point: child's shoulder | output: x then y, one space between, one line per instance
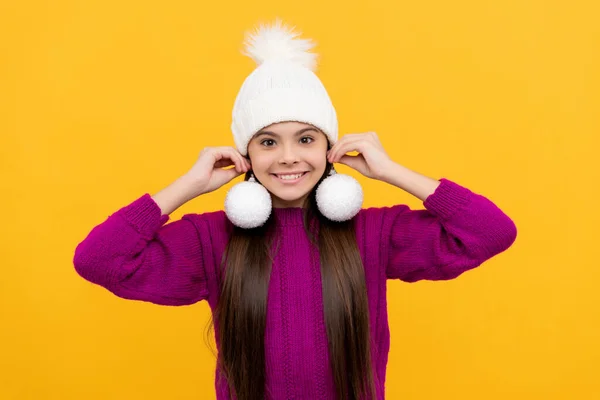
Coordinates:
210 223
381 211
378 221
216 219
214 231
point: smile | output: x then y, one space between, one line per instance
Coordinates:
289 179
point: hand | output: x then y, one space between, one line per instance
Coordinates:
372 161
208 173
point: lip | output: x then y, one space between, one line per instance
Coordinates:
289 181
289 172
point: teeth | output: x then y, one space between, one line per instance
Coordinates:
289 177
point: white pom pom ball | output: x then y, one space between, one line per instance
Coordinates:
339 197
279 41
248 204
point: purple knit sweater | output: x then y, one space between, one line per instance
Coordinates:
135 257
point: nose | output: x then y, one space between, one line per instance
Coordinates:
288 156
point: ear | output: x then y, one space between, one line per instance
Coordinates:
328 142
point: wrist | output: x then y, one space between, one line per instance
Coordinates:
189 186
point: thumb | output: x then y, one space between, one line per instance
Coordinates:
352 161
229 174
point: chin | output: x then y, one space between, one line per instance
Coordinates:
290 196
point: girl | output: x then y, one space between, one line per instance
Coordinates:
294 270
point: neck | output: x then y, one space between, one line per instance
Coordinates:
296 203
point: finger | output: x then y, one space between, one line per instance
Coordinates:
230 174
354 162
353 135
334 149
345 147
374 136
236 158
241 159
222 159
243 162
225 162
357 146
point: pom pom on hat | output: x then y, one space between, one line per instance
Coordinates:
278 41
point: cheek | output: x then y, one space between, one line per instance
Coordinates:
319 162
260 167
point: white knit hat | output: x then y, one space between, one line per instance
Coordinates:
284 88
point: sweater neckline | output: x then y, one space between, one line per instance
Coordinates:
288 216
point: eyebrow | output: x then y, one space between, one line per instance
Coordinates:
301 131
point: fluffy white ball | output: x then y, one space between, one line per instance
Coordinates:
248 204
279 41
339 197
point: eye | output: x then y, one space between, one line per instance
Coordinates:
310 140
266 140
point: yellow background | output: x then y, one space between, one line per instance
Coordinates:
102 101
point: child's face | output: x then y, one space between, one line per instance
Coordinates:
288 147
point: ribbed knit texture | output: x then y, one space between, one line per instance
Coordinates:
135 255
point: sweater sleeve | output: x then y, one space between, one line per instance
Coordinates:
135 257
458 230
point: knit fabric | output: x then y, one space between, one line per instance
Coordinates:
283 87
136 256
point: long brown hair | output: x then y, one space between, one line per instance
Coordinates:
242 305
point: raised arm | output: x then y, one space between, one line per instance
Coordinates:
135 256
458 230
